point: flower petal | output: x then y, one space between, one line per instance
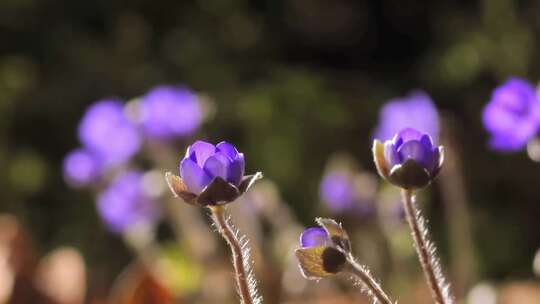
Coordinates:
313 237
236 170
193 176
390 154
414 150
202 150
228 149
217 166
409 134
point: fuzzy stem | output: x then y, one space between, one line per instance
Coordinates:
426 254
369 282
241 273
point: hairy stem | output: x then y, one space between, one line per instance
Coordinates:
362 273
240 255
425 250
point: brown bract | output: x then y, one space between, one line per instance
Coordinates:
218 192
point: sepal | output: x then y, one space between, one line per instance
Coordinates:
319 262
410 175
379 159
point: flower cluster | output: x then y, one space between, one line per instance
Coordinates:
512 116
112 134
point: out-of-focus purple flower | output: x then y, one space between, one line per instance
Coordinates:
337 191
106 130
413 111
410 160
211 174
81 167
512 116
124 203
169 111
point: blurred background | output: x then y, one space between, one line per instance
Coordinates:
297 86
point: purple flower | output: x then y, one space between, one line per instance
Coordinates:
410 160
337 191
81 167
125 203
413 111
512 116
168 111
211 174
106 130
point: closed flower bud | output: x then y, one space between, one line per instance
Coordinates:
410 160
211 175
322 249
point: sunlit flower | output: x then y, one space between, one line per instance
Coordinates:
512 116
125 204
410 160
106 131
169 111
211 175
416 110
81 167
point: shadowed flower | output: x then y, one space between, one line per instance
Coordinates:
322 249
125 203
211 175
169 111
105 130
81 167
410 160
413 111
512 116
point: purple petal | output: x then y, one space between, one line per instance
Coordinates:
202 150
193 176
408 134
426 141
433 160
390 154
236 170
313 237
228 149
413 150
217 165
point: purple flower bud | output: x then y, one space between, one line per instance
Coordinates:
81 167
106 130
125 203
512 116
211 175
313 237
169 111
410 160
413 111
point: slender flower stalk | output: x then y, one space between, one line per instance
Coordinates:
425 250
365 277
246 283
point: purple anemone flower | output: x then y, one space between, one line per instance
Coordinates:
416 110
125 203
169 111
211 175
106 131
512 116
337 191
81 167
410 160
